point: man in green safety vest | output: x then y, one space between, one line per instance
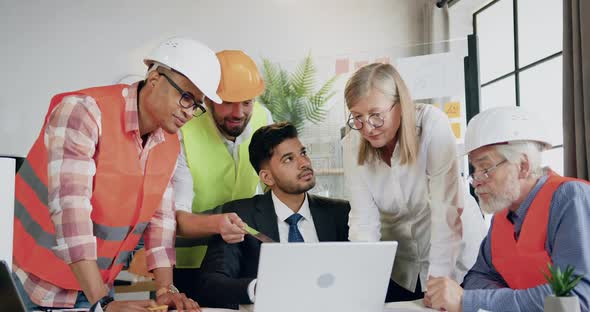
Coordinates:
214 167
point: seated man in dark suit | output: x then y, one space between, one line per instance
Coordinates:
286 213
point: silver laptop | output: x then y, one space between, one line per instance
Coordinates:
323 277
9 297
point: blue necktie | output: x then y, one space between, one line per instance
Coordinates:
294 234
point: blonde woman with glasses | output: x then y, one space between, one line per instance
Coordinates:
400 163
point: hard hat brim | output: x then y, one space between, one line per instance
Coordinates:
212 95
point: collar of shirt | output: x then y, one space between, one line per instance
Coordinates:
131 113
283 212
517 217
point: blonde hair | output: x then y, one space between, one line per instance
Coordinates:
387 80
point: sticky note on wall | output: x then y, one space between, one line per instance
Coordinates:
342 66
453 109
384 60
360 64
456 129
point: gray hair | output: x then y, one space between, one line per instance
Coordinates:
515 151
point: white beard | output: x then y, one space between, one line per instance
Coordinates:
504 198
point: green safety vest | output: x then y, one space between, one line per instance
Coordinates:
216 178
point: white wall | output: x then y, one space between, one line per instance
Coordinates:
7 166
461 22
55 46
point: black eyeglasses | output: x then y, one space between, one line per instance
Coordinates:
187 100
375 120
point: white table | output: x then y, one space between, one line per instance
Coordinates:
406 306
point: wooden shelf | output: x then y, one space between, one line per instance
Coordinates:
329 172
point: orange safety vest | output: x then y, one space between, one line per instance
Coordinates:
124 199
522 262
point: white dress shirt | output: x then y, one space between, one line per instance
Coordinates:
183 180
305 225
418 205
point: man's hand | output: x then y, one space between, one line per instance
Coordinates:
443 293
426 300
179 301
231 227
195 225
135 305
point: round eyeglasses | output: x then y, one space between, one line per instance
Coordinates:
375 120
187 100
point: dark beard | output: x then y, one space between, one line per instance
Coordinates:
296 189
233 132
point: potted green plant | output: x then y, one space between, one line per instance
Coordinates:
562 284
291 96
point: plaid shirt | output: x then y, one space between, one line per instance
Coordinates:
71 136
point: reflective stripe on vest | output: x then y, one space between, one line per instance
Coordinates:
123 198
522 263
216 178
48 240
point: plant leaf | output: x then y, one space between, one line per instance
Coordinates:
290 97
303 77
562 283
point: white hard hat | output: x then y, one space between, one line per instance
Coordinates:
193 59
504 125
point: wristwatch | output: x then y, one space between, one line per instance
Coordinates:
102 302
171 289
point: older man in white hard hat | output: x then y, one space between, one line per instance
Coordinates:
98 178
540 218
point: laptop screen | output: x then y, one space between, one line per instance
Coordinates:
319 277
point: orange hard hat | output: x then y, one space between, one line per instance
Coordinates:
240 78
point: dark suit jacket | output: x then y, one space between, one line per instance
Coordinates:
228 269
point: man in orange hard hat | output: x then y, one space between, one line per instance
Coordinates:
213 166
